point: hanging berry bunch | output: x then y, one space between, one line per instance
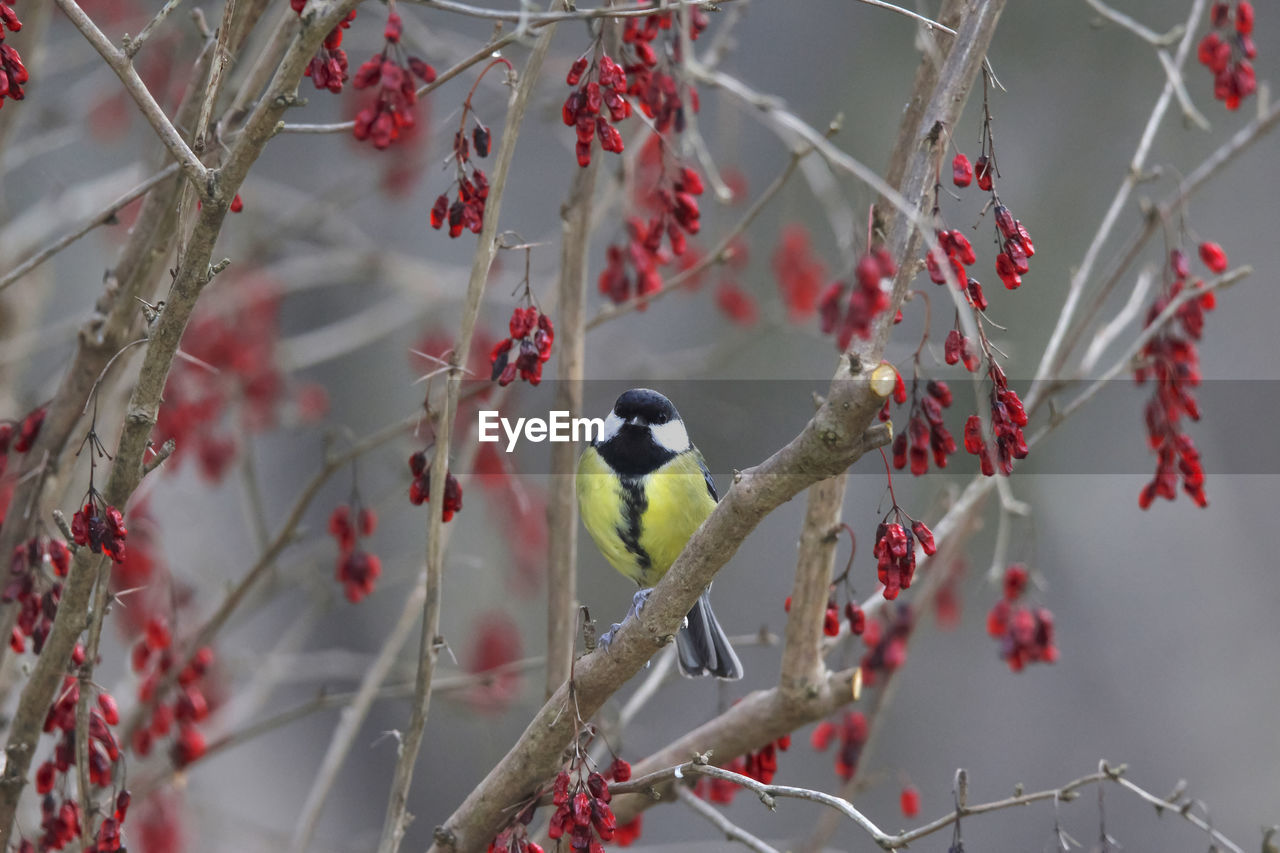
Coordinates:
1170 358
895 548
97 525
34 591
667 213
800 274
531 335
392 72
180 713
21 436
867 299
1008 417
597 99
959 348
1012 236
104 749
1228 50
466 212
328 68
926 431
886 644
651 49
1025 633
12 72
841 588
357 570
853 730
515 838
420 489
581 797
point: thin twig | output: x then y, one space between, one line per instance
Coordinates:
134 44
1139 29
536 19
731 830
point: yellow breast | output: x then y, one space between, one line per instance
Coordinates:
641 525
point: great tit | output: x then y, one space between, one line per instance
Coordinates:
643 489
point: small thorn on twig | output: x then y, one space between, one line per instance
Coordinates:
165 451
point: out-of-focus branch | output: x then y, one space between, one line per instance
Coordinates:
102 217
542 18
122 65
397 816
352 717
562 503
1223 156
1054 354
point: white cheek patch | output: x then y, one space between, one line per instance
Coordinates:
671 435
612 425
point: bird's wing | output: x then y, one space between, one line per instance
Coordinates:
706 475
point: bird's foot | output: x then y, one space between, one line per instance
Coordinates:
605 639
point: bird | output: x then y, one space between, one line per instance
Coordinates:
643 489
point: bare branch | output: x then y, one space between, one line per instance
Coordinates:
123 67
731 830
134 44
103 217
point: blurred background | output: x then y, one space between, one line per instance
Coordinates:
1166 619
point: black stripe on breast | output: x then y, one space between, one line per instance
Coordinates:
636 502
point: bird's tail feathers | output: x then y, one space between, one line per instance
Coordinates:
702 647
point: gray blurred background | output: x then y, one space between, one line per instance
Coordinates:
1167 618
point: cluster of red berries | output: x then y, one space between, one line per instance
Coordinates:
36 595
104 750
20 437
1025 633
1229 55
762 765
800 273
12 72
1008 417
515 838
958 348
867 299
328 68
153 658
655 89
357 569
855 615
895 551
109 840
633 269
582 807
240 346
59 822
1171 359
963 171
926 430
531 338
466 212
393 74
852 731
957 253
886 645
1011 264
420 488
605 88
100 527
